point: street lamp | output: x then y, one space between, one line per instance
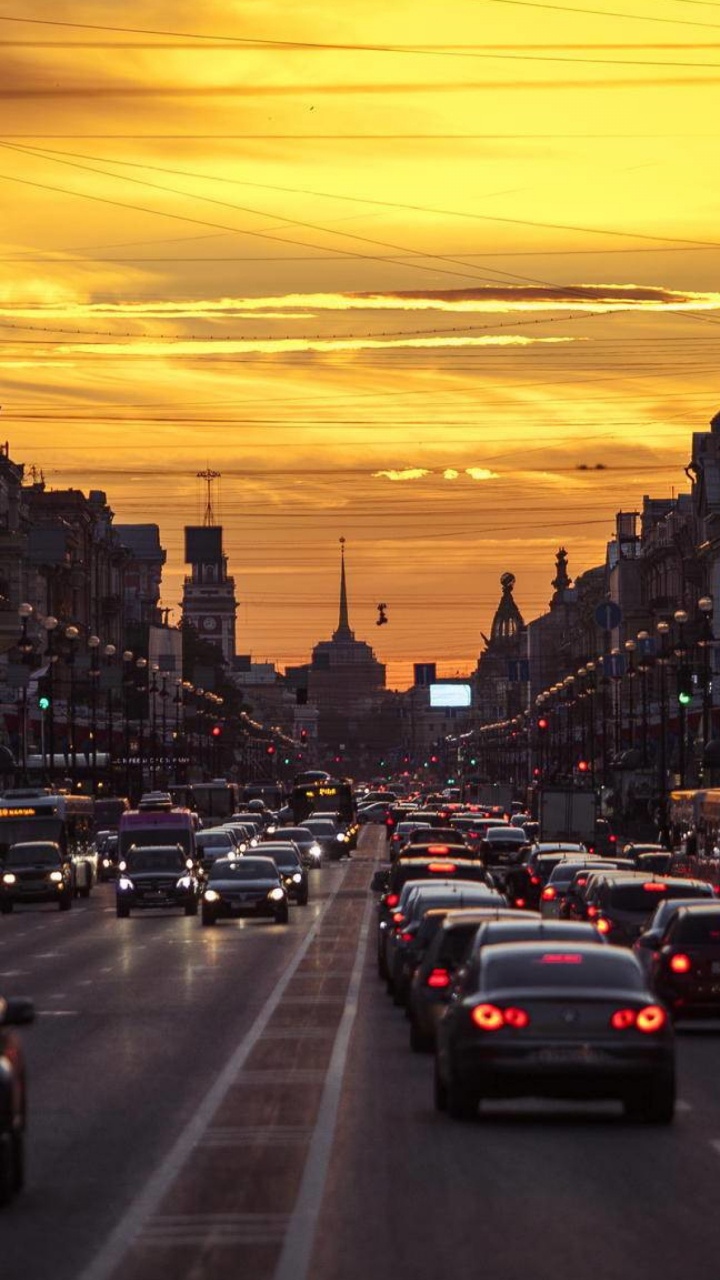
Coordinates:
705 605
630 647
109 652
141 686
128 658
25 646
644 663
663 629
680 617
152 694
94 647
50 624
72 635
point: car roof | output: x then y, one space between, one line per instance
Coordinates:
465 915
553 930
619 957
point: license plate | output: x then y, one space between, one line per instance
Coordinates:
566 1053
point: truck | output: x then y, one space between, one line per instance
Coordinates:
492 794
570 814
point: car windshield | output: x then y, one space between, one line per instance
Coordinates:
244 869
214 840
155 860
300 835
36 855
285 858
320 826
526 965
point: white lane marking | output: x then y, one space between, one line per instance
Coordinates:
715 1144
48 955
294 1260
14 973
58 1013
124 1235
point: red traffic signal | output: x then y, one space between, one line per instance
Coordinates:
303 735
542 724
270 749
216 731
583 766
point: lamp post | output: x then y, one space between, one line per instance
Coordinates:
662 629
109 653
94 647
630 647
25 646
705 605
128 680
644 644
141 686
72 634
50 624
680 617
152 694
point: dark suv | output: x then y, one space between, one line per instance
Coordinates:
13 1013
156 876
622 905
36 871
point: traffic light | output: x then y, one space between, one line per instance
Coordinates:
43 702
543 724
684 686
43 694
303 735
583 766
216 731
270 749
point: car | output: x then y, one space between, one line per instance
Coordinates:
557 1020
562 877
376 812
14 1012
108 853
449 937
247 886
647 942
402 953
530 928
390 882
525 878
403 832
156 876
329 833
212 843
685 965
503 847
433 838
620 905
289 863
310 848
36 871
573 899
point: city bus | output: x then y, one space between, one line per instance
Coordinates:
215 801
37 814
326 795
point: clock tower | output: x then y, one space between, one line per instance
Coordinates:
209 603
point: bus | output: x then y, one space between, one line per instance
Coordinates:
271 794
150 825
327 795
38 814
215 801
108 811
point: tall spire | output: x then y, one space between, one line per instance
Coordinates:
343 631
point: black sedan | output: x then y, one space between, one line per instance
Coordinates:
685 965
557 1020
247 886
309 846
13 1013
156 876
36 871
286 857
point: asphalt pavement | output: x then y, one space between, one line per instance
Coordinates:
243 1101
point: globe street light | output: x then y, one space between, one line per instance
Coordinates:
72 634
50 624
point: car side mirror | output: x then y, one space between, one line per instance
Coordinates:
379 882
16 1011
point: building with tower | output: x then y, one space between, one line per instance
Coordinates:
208 602
502 670
344 672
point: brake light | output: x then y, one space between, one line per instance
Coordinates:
406 937
549 894
561 957
392 899
487 1017
651 1018
440 849
592 912
519 902
398 917
622 1019
517 1018
680 963
437 868
581 880
654 887
438 979
612 839
534 879
602 925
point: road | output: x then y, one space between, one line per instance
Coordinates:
242 1100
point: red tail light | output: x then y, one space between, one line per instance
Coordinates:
488 1017
612 839
548 894
438 868
534 879
602 925
622 1019
592 912
406 937
680 963
651 1018
392 899
438 979
653 886
398 917
438 849
519 902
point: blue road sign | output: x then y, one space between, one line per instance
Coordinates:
608 615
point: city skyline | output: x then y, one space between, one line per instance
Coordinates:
437 280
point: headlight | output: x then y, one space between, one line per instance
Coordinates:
315 849
297 878
9 878
184 883
341 837
107 862
55 876
211 896
125 883
270 831
277 894
254 842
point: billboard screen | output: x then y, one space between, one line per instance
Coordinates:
450 695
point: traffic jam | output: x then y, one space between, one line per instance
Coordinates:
529 966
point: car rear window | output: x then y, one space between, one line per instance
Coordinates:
526 965
644 898
457 943
700 928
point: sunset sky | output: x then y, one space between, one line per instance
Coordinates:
438 278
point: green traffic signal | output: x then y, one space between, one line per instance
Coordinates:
44 702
